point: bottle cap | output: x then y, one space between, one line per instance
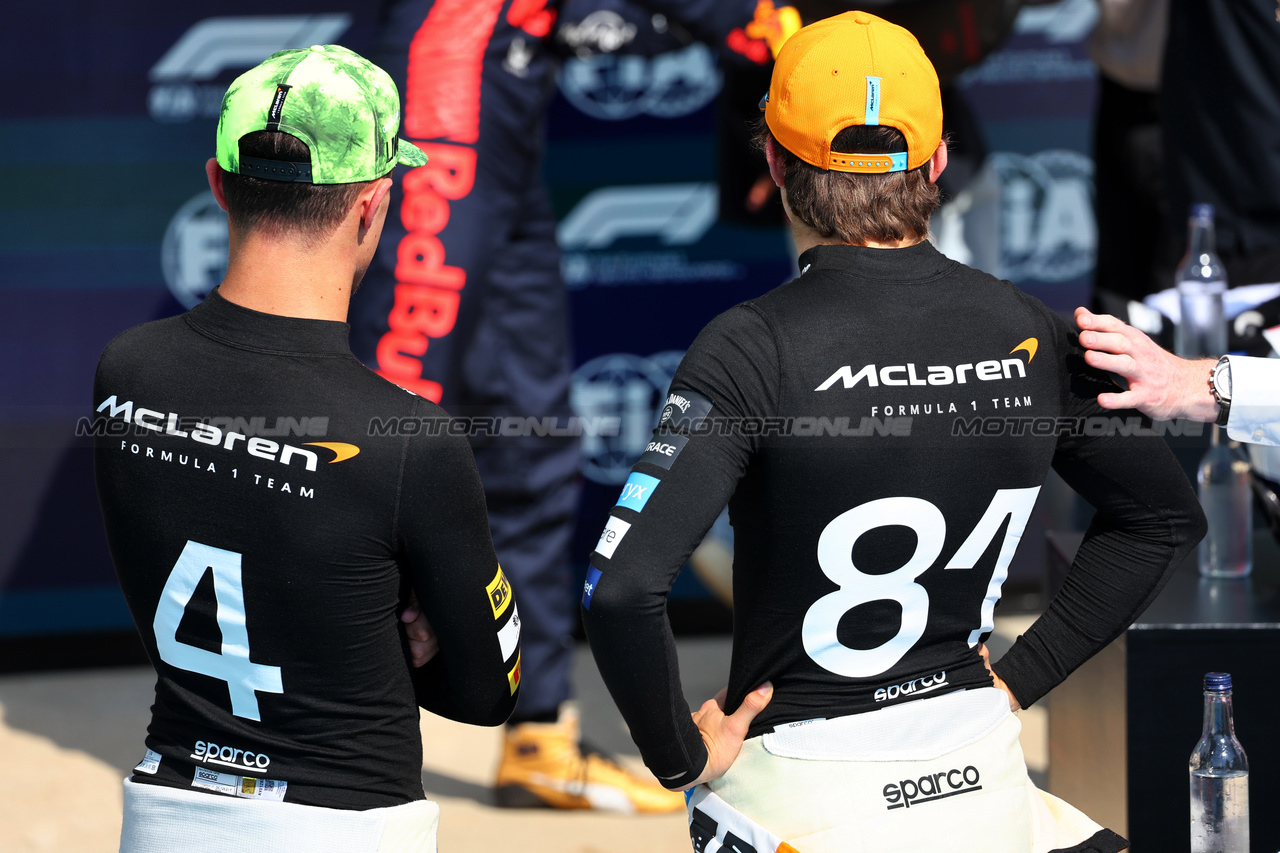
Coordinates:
1217 682
1202 211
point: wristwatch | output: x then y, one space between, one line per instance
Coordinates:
1220 388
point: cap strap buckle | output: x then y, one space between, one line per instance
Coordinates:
275 170
867 164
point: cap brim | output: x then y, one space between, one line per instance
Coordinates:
408 154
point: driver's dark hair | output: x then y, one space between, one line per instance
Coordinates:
312 210
857 208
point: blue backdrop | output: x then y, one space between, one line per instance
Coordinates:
107 223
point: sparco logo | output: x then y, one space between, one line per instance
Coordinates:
908 688
230 756
930 787
935 374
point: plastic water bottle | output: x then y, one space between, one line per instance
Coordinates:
1227 498
1201 281
1219 776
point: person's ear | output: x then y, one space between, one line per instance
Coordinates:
214 173
938 161
372 199
773 153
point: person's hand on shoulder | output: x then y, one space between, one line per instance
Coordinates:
1161 385
724 733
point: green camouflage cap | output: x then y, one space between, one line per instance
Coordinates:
345 108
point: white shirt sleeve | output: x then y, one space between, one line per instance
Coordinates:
1255 400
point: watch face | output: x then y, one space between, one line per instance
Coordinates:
1222 379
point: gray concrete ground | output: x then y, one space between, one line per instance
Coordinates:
68 738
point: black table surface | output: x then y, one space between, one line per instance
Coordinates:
1190 601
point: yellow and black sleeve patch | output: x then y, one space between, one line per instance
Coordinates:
499 590
513 677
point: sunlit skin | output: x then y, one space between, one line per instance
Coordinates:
283 272
1161 385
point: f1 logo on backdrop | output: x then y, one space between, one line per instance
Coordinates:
180 92
614 88
677 214
631 388
1059 23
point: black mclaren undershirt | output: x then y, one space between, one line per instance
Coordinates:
880 428
269 502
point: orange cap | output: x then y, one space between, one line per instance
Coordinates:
854 69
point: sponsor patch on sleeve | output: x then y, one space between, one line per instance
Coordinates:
149 764
664 449
509 635
611 536
513 677
637 491
499 591
589 588
685 409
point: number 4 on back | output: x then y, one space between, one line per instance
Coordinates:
232 665
1016 505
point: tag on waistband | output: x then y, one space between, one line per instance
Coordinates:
919 730
798 724
245 787
150 764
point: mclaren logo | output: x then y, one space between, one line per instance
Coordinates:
1029 346
169 424
935 374
341 450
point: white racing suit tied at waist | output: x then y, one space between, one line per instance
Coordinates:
945 773
160 819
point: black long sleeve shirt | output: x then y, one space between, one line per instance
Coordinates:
880 428
266 524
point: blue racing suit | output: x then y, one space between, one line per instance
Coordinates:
464 304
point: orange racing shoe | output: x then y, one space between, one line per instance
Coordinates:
544 766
